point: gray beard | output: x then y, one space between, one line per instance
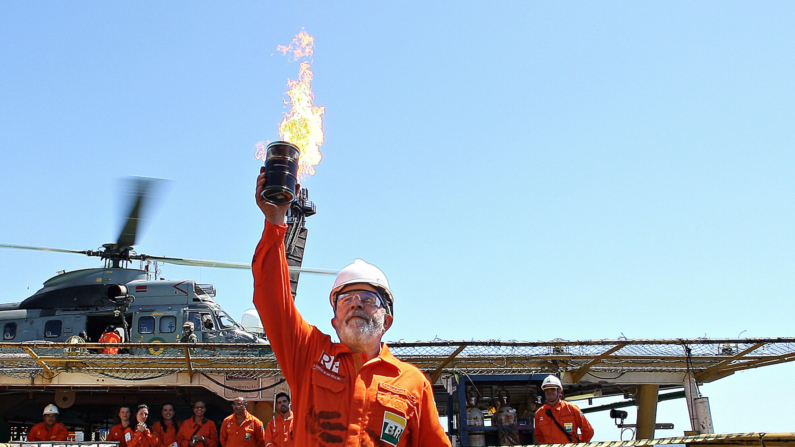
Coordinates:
359 332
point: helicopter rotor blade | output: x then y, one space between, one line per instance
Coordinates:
142 190
59 250
229 265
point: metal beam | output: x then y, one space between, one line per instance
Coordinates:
188 361
703 376
784 358
580 373
48 373
632 403
438 372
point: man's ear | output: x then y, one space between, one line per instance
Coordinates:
334 323
387 322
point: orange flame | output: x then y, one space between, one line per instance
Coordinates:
303 125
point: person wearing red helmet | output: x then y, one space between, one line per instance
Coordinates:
352 393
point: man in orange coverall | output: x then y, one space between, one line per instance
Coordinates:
279 432
557 421
50 429
353 393
241 428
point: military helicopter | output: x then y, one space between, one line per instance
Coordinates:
142 307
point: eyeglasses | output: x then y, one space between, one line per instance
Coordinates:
365 297
198 408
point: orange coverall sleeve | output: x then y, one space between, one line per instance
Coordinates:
60 432
223 437
268 434
430 431
585 427
259 435
286 329
210 432
538 433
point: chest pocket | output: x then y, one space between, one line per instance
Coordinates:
395 402
326 383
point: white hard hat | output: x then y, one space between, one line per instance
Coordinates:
361 272
551 382
50 409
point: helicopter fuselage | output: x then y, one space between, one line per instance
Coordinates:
150 311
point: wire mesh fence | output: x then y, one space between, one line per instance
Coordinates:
137 361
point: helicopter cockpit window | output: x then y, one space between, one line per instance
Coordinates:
168 324
196 320
52 328
146 325
225 321
9 331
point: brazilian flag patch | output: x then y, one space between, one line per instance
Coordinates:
393 427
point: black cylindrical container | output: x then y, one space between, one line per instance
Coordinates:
281 168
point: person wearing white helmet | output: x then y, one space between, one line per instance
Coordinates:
50 429
352 393
558 421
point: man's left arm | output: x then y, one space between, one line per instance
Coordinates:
585 427
61 433
259 434
430 431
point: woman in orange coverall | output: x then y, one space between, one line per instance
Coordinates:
198 431
142 436
122 432
166 429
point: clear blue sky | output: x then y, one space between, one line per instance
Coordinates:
520 170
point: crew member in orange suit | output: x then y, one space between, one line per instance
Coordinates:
279 432
122 432
241 428
198 431
166 429
557 421
50 429
142 436
353 393
110 336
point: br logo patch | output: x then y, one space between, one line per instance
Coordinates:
393 427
